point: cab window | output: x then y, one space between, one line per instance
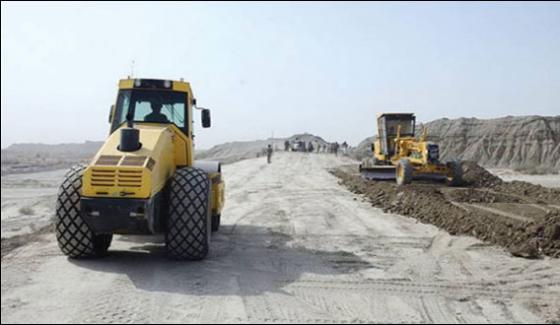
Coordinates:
151 106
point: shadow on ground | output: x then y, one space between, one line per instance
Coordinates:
244 260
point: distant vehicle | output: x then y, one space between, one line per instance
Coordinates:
298 146
398 154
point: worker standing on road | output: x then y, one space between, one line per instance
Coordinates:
344 148
269 154
286 145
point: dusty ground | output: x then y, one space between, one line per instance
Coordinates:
28 201
552 181
523 217
295 247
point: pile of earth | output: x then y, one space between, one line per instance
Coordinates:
457 210
234 151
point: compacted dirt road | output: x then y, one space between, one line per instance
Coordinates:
295 246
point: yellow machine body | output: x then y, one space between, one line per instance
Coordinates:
138 174
395 142
143 174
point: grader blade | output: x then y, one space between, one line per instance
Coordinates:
378 173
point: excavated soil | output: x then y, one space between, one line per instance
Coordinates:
522 217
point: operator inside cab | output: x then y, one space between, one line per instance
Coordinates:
153 106
156 116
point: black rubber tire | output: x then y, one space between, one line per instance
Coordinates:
75 238
216 219
189 224
102 243
407 175
455 177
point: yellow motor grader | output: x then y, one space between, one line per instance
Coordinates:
144 179
398 154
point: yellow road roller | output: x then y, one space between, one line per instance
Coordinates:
144 179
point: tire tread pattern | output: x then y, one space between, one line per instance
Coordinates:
189 220
75 238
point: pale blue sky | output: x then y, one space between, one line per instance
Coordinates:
324 68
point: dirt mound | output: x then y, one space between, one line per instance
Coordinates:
517 215
234 151
520 142
363 149
475 175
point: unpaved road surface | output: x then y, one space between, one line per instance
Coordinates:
28 201
294 247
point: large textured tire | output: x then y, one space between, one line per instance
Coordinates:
74 236
189 224
216 220
455 173
404 172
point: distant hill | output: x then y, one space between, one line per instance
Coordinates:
527 143
86 149
32 157
234 151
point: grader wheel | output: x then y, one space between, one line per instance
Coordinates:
454 175
404 172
